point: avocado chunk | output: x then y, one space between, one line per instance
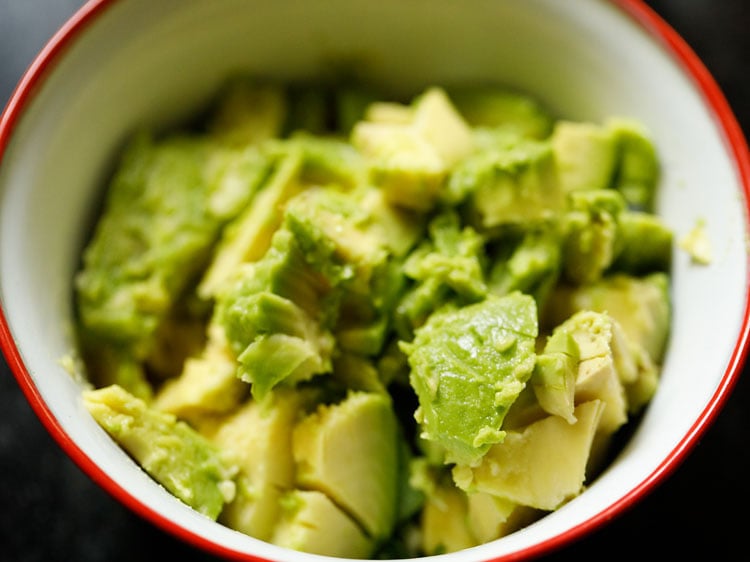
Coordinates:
499 108
248 237
207 385
468 365
592 234
445 520
645 244
541 466
533 266
259 437
511 185
637 171
175 455
448 266
491 517
555 374
349 452
148 246
604 365
409 155
312 523
586 155
641 306
247 112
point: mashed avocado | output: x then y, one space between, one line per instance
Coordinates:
361 326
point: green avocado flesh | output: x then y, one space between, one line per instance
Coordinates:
363 326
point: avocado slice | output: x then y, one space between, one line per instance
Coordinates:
349 451
174 454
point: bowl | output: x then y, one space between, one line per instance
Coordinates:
120 64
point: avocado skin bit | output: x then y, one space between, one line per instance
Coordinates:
468 366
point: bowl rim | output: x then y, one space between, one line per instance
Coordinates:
674 46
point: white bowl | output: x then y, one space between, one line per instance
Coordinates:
118 64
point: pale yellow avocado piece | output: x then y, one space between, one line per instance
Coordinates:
207 385
248 113
410 149
312 523
402 163
175 455
641 306
541 466
598 376
491 517
445 520
438 122
585 155
259 438
349 451
555 373
249 236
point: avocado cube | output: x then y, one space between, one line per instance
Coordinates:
637 171
586 155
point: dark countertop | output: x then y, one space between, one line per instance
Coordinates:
50 510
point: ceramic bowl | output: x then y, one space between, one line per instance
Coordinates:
118 64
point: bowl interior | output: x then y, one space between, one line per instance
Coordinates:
132 63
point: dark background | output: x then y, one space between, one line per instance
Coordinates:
50 510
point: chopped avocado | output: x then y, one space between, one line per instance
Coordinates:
437 121
258 436
468 366
349 451
410 160
248 237
248 112
208 384
637 170
169 450
509 186
491 517
153 236
645 244
541 466
312 523
641 306
601 352
592 239
448 266
586 155
445 520
533 267
499 108
365 326
555 373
